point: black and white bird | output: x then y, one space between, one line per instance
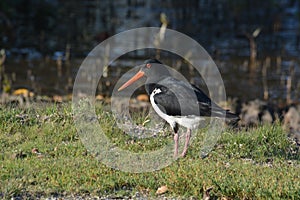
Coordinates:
177 101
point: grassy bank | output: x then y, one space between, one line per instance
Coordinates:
258 163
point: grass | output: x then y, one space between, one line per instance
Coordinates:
260 163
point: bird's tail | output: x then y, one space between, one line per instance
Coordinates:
231 118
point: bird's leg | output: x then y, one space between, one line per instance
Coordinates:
187 139
175 144
176 138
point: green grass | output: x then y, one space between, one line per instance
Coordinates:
261 163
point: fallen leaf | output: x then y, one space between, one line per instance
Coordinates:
99 97
57 98
162 190
142 97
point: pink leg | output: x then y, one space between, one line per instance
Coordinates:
176 145
187 139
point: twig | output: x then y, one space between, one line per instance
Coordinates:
289 84
264 77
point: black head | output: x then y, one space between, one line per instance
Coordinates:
152 60
153 69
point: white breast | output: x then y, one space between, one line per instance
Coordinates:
191 122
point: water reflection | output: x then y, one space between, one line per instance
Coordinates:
272 75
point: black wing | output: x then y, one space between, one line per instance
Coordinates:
180 98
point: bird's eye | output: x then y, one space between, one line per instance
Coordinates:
148 65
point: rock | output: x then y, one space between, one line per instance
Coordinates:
250 112
257 112
291 123
296 137
291 119
266 117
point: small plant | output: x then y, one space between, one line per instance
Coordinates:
261 163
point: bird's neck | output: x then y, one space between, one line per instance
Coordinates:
153 82
150 87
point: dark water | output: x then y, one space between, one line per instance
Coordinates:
47 77
220 28
239 82
44 77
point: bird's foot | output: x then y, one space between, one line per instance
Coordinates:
183 154
187 139
175 155
175 145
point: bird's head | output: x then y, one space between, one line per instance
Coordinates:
153 69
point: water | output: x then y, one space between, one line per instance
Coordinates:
219 29
44 77
47 77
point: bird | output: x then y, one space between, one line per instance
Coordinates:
176 101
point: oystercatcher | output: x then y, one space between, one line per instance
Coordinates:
177 101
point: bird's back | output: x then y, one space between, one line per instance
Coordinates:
180 98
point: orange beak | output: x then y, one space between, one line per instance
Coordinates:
136 77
